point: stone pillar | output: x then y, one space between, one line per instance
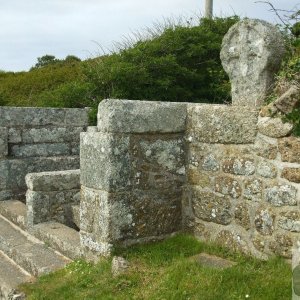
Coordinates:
132 173
251 54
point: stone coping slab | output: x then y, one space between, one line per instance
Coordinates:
53 181
134 116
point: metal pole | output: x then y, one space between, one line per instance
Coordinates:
208 9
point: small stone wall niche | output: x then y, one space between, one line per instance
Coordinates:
37 140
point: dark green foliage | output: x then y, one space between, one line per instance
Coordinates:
182 64
46 60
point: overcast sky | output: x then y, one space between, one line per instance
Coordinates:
33 28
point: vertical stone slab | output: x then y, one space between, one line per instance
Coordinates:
3 142
251 54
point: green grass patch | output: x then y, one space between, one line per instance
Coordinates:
163 270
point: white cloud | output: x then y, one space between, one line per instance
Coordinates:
33 28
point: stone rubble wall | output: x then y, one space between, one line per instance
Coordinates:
243 179
36 140
51 195
132 174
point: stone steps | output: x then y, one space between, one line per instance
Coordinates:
15 211
27 251
62 238
11 276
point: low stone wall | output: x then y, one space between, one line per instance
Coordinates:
132 174
209 169
243 186
50 196
35 140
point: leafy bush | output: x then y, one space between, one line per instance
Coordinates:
180 64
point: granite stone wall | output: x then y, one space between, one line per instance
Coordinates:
36 140
243 186
51 195
132 174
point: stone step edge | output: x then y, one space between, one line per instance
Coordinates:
55 243
34 240
7 289
17 219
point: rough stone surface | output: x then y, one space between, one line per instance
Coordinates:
48 206
212 261
210 163
291 174
290 149
104 216
264 221
232 241
227 185
37 116
274 127
53 181
127 116
119 266
105 162
253 189
290 220
3 142
282 245
241 215
239 166
281 195
211 207
251 53
51 135
288 101
266 169
265 149
37 150
221 124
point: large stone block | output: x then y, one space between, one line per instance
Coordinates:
127 116
289 149
77 116
105 216
115 218
274 127
51 135
37 116
158 161
53 181
47 206
251 53
222 124
105 161
13 171
3 142
291 174
155 213
38 150
281 195
211 207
